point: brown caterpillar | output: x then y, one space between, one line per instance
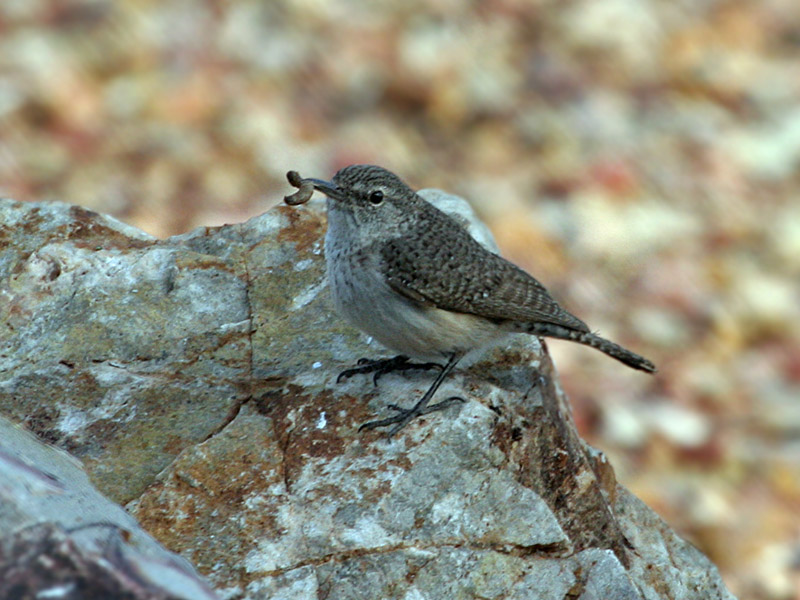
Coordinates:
305 188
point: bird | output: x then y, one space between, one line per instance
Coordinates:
414 279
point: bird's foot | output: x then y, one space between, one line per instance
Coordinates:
405 415
385 365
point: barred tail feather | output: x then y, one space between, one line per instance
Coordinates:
616 351
587 338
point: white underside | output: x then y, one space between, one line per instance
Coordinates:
363 298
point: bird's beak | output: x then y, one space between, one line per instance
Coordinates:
306 186
326 187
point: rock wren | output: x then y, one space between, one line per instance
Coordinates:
413 278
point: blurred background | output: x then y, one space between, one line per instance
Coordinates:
640 157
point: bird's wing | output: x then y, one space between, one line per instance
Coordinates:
460 275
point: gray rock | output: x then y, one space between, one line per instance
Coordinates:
195 377
62 539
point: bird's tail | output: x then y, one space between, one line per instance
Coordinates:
616 351
588 338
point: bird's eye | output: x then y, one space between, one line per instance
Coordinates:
376 197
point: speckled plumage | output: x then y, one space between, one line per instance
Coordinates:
437 262
413 278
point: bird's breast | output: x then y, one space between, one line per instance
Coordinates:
361 295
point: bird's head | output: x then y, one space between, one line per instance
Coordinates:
364 194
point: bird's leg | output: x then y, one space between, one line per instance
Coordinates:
384 365
405 415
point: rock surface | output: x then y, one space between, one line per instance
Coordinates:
195 379
62 539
